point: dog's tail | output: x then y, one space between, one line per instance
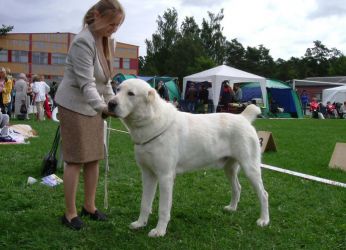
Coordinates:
251 112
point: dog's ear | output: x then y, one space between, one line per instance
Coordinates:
151 95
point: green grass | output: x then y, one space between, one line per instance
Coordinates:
304 214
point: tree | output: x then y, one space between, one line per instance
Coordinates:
5 29
338 66
317 59
259 61
235 54
159 48
213 40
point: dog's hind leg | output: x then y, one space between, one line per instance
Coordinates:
166 183
253 172
149 184
231 170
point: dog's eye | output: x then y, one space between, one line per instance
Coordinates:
130 93
118 89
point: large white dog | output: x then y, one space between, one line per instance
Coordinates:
169 142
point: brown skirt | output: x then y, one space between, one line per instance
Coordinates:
82 136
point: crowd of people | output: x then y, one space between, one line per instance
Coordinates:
320 111
19 97
199 99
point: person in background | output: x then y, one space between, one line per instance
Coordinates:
13 96
5 92
314 108
21 89
40 90
226 97
238 93
330 110
176 103
82 99
203 98
343 111
191 98
304 98
210 99
161 90
52 92
47 108
5 134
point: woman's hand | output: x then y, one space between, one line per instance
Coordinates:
106 113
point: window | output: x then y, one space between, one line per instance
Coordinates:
58 58
39 58
4 55
117 63
126 63
19 56
36 45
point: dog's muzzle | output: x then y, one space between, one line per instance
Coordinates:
112 106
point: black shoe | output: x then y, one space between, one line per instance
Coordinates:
76 223
97 215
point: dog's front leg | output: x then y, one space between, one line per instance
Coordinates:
149 183
165 204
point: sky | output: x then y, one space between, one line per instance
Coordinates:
285 27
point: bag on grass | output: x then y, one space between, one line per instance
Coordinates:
23 109
50 162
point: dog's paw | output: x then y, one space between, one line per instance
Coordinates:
156 233
262 222
137 225
230 208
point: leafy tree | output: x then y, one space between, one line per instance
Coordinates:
213 40
259 61
235 54
5 29
338 66
159 48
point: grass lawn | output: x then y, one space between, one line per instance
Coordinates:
304 214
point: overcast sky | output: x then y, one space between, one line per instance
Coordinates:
286 27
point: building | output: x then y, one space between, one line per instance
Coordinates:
45 54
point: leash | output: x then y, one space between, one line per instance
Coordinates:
106 134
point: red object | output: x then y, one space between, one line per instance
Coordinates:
313 106
330 108
47 108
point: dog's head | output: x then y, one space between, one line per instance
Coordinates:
134 97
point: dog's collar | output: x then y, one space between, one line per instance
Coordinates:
154 137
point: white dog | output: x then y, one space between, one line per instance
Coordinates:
169 142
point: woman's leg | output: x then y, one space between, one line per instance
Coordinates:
91 174
71 178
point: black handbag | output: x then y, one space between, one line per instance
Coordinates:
23 109
50 162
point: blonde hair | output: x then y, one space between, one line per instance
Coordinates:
106 8
109 9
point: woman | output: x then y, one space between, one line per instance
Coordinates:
40 90
5 92
82 97
21 89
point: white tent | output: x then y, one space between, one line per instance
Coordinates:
221 73
337 94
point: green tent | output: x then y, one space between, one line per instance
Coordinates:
120 77
169 83
279 93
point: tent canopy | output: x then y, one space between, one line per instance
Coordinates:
221 73
332 95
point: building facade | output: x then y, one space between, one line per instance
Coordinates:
45 54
